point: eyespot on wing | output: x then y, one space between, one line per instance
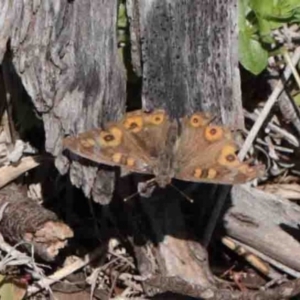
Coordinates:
198 120
213 133
155 118
133 123
112 137
228 156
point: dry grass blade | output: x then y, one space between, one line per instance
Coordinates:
268 259
252 259
290 63
289 190
62 273
11 172
267 108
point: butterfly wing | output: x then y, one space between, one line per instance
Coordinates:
133 143
207 153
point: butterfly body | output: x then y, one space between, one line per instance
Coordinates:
190 149
164 168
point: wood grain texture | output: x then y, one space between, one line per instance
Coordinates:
265 222
133 14
66 55
190 63
190 60
26 222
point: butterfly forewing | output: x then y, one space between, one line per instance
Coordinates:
132 143
150 143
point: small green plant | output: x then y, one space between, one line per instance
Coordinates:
256 20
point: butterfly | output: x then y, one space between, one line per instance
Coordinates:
190 148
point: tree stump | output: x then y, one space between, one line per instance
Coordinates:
66 55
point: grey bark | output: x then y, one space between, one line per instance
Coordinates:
268 223
66 55
190 61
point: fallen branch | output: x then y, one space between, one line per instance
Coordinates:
24 220
267 108
11 172
64 272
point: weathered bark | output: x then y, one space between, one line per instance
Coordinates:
265 222
284 291
190 63
66 55
24 220
164 248
186 52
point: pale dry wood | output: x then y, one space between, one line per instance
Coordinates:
292 66
268 259
265 222
190 58
284 291
175 254
190 63
252 259
15 257
286 190
65 53
135 45
11 172
267 108
62 273
25 221
289 110
280 131
169 250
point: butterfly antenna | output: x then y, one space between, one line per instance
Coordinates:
147 184
182 193
131 196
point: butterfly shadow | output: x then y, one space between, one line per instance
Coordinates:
169 211
165 220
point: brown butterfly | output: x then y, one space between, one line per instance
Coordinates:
190 149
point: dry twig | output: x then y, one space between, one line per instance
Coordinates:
269 104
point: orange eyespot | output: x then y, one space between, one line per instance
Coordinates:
197 121
110 138
213 133
228 157
197 173
130 162
87 143
133 124
156 118
211 174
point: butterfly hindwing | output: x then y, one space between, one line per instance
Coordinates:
207 153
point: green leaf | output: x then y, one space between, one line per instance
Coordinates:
265 27
252 55
280 10
11 289
297 99
242 6
122 16
272 14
